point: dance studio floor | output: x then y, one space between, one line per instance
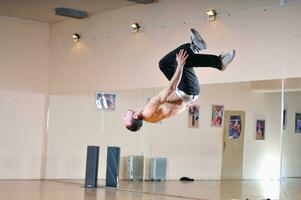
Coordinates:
73 190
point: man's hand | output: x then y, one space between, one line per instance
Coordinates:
181 57
174 82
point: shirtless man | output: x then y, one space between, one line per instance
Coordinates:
183 88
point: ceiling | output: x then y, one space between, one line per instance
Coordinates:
42 10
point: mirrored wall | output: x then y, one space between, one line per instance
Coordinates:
233 133
236 130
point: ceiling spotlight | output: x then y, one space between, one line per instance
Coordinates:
211 14
76 37
135 27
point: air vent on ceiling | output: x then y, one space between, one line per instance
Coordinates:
68 12
144 1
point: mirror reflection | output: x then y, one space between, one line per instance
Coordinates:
236 137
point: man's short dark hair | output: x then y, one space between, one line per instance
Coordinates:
135 124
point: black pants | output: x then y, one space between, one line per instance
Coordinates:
189 82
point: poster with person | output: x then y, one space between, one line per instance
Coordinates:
217 115
260 129
105 102
234 127
298 123
193 116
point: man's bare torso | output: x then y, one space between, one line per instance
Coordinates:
154 111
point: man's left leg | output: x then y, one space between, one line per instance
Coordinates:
168 63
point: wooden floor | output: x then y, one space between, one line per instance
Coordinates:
73 190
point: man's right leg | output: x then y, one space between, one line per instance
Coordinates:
189 82
168 63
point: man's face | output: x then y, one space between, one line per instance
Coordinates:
127 118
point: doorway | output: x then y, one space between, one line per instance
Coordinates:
233 144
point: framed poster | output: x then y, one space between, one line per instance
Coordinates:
217 115
193 116
234 127
105 102
260 129
298 123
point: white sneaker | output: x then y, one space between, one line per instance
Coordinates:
227 58
197 42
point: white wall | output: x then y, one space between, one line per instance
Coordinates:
74 124
261 157
196 153
21 130
24 59
24 55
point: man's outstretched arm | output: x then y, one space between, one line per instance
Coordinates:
174 82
